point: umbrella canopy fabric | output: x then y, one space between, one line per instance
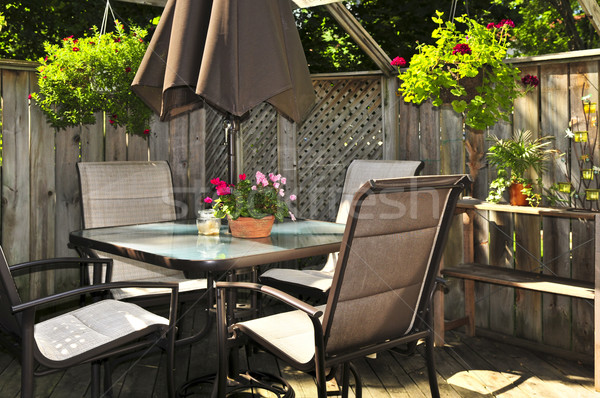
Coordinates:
233 54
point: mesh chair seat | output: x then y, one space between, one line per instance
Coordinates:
291 333
82 331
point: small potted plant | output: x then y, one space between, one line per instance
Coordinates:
83 76
465 68
513 159
252 207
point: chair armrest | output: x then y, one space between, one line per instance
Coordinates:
59 261
275 293
174 286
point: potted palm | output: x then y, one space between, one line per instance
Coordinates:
514 158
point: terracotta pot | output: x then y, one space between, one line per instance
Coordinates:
248 227
517 198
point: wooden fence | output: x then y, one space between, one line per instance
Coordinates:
356 116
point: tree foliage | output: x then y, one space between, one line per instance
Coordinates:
550 26
543 26
31 23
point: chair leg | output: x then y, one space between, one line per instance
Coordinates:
429 348
170 352
27 375
357 380
95 379
108 392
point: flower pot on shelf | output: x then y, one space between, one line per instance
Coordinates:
517 198
248 227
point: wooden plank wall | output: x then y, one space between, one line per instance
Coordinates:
350 120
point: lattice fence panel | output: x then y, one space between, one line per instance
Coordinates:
345 125
216 150
259 140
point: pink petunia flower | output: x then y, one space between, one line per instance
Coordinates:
283 180
215 181
254 187
281 192
276 185
292 197
208 200
398 61
292 216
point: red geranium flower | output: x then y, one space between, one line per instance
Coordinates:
75 49
461 48
147 131
398 61
529 80
242 177
128 69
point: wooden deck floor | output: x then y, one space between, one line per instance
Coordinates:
467 367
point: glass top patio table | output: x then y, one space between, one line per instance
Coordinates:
177 245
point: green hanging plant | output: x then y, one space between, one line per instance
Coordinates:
80 77
465 67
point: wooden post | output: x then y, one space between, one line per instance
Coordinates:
592 10
389 118
596 306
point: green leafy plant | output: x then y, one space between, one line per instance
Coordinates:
247 199
444 71
513 158
81 77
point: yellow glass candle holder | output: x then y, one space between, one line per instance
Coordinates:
207 223
592 194
587 174
564 187
589 107
580 136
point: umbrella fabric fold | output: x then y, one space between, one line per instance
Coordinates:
233 54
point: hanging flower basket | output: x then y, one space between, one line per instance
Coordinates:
83 76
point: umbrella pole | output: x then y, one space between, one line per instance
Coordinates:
232 128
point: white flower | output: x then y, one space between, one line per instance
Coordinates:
569 133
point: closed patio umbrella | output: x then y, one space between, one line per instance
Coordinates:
232 54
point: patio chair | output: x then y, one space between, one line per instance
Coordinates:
382 286
123 193
315 284
90 334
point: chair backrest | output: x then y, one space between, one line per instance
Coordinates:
9 296
389 259
122 193
361 171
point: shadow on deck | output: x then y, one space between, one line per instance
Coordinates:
466 366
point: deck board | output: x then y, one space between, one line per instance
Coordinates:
466 367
